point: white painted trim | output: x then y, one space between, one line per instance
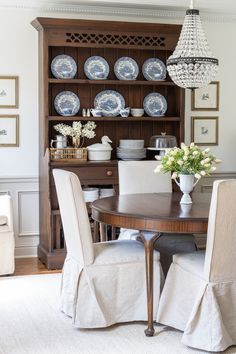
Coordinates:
19 179
27 234
26 252
22 244
22 233
134 11
2 192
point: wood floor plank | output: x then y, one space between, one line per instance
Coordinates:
29 266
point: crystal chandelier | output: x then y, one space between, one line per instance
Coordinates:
191 65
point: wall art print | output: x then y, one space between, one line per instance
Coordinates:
9 92
9 130
206 98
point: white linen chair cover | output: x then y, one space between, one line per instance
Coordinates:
199 295
139 177
7 241
102 283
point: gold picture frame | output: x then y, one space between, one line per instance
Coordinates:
205 130
206 98
9 92
9 130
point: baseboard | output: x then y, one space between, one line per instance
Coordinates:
26 252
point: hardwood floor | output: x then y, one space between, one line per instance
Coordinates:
27 266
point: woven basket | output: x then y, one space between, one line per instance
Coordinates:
68 154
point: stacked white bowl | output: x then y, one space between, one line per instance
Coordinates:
90 194
131 149
106 192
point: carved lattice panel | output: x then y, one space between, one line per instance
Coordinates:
116 39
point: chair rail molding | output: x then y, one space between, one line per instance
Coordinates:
24 191
205 183
112 9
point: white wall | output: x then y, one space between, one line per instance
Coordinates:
19 46
220 37
19 57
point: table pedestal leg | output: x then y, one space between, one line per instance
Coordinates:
103 231
149 241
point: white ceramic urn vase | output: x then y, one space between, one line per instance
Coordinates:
186 184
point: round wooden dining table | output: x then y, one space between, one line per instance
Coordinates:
156 212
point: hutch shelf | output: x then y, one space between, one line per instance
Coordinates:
111 40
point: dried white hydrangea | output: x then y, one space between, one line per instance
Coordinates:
77 130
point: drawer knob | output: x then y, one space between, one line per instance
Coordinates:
109 173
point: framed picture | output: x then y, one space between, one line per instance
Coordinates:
204 130
9 130
206 98
9 92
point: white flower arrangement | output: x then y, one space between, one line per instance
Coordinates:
77 130
188 160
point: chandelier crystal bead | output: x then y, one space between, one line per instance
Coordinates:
191 65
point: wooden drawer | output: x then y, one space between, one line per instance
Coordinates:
93 174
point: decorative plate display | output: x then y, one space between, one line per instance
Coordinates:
126 68
155 104
154 69
110 102
96 68
67 103
63 67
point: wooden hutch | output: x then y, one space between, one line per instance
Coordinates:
111 40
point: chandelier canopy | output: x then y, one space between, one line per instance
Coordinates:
191 65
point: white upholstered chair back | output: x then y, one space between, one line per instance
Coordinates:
74 217
139 177
220 260
6 209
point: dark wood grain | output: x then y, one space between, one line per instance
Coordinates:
164 119
154 212
149 241
110 39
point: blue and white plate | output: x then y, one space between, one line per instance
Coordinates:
63 67
96 68
67 103
155 104
110 102
154 69
126 68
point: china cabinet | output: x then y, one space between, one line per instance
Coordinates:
81 39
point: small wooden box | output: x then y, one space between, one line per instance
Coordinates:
67 154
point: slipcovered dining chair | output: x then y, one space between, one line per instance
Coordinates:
139 177
199 295
102 283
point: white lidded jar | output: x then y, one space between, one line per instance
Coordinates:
100 151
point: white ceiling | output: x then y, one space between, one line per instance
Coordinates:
225 9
